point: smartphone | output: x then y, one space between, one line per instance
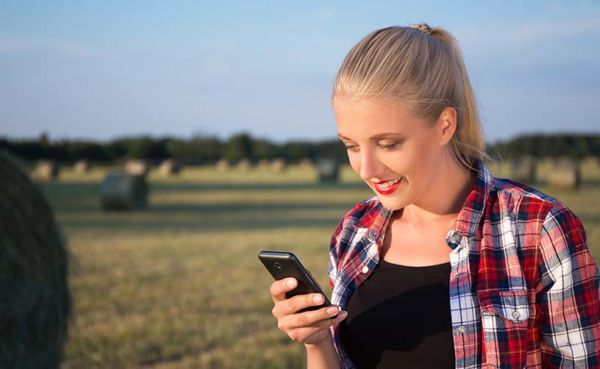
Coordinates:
282 264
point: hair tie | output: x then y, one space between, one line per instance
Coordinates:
423 27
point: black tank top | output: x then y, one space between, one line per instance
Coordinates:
400 318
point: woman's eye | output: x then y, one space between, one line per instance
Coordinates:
389 146
351 147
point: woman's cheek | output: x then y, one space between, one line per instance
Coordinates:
354 162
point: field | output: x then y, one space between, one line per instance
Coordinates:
179 285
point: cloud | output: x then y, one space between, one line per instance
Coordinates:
556 29
484 38
325 14
13 44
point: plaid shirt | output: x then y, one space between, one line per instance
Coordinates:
524 288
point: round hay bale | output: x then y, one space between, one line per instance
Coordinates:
123 191
329 170
46 170
278 165
81 167
523 169
169 168
244 165
263 163
222 165
591 162
565 175
137 167
305 163
35 300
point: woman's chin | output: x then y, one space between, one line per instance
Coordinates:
391 203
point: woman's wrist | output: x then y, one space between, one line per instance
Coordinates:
322 354
321 344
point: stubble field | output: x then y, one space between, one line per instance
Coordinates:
179 285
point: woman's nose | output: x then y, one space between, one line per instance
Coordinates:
370 167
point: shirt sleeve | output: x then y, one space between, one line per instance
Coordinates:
568 294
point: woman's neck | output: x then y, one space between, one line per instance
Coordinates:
445 197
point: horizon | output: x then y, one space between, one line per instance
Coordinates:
257 138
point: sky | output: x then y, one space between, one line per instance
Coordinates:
107 69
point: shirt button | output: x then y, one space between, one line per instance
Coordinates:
515 314
372 237
452 238
365 269
462 329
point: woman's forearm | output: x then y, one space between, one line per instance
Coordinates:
322 355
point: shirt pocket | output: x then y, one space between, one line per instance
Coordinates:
504 321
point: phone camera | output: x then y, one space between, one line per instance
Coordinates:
277 265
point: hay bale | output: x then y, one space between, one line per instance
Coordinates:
523 169
328 169
590 162
35 301
123 191
305 163
222 165
81 167
137 167
169 168
278 165
565 175
46 170
263 163
244 165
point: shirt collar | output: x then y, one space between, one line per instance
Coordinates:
469 216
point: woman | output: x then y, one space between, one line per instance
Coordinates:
447 266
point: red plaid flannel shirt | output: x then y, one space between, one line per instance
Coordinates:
524 288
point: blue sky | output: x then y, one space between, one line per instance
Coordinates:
105 69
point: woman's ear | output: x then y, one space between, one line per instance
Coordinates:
447 124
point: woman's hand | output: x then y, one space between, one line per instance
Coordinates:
309 327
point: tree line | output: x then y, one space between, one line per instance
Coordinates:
196 150
209 149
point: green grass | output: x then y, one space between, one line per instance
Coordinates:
179 285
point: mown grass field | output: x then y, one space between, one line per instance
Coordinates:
179 284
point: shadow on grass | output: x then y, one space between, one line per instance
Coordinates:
589 218
77 207
155 225
248 187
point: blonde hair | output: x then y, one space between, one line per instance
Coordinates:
421 68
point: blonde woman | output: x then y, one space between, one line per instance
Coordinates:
447 266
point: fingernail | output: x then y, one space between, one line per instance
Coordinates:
333 310
291 282
318 298
343 315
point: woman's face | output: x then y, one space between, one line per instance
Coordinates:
395 153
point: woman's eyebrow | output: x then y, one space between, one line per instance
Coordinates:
388 135
377 136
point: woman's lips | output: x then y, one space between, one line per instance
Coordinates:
388 187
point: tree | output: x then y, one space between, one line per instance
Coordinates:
238 147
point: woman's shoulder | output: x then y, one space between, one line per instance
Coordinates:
525 201
519 189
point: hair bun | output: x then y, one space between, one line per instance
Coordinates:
423 27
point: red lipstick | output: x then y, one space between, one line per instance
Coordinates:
387 189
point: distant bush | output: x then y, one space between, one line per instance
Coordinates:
549 145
